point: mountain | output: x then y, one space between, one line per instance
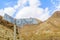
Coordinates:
48 30
7 29
55 19
6 32
56 15
5 23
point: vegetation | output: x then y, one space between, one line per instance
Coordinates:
48 30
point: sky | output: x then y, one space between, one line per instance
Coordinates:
41 9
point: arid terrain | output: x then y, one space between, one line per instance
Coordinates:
48 30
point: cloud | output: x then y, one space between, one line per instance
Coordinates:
56 3
1 12
45 15
34 3
27 12
58 6
20 3
33 11
9 10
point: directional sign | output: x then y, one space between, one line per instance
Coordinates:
21 22
34 21
9 18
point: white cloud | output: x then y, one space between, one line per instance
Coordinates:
29 12
20 3
34 3
9 10
33 11
1 12
45 15
56 3
26 12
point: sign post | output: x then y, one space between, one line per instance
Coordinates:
14 32
11 20
19 22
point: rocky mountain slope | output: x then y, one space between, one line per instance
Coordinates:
48 30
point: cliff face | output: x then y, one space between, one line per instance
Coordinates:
48 30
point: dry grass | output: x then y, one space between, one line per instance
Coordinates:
48 30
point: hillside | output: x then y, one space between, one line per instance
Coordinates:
5 33
7 28
55 19
48 30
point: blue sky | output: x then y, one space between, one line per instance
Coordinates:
12 7
46 4
7 3
11 3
